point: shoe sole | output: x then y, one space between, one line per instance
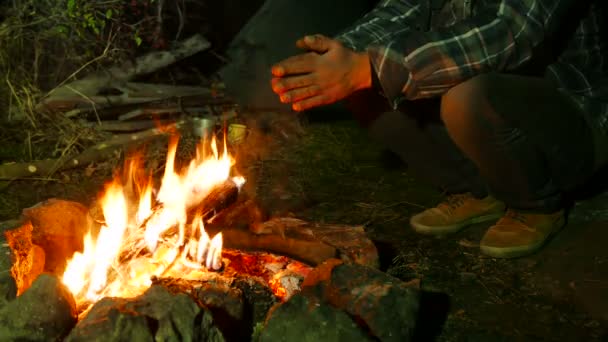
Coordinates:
519 251
511 252
444 230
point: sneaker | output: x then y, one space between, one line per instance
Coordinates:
517 234
455 213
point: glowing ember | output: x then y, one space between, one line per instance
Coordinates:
143 237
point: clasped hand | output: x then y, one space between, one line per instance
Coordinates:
327 73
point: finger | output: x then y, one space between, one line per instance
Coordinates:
300 94
301 45
295 65
317 43
312 102
283 84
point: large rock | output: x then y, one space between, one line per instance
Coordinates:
59 228
45 312
305 319
386 305
28 259
157 315
270 36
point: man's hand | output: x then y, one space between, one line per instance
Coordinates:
328 73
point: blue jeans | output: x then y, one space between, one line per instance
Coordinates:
517 138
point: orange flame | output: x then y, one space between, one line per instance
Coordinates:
145 237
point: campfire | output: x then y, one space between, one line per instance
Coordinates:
194 234
148 234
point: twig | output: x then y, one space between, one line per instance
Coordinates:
93 106
491 293
406 203
17 98
180 14
159 18
128 126
84 66
11 171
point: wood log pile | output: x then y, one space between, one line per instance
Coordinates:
128 112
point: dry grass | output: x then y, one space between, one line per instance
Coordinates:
45 43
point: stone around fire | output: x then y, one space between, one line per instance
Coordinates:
45 312
157 315
59 228
304 319
387 306
8 288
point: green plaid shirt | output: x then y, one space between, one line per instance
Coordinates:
414 59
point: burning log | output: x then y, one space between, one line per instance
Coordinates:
221 197
245 214
312 252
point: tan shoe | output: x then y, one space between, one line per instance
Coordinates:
517 234
455 213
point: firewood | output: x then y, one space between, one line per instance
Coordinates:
178 101
88 90
221 197
351 241
120 126
312 252
158 111
243 214
98 152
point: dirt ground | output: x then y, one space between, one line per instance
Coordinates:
332 172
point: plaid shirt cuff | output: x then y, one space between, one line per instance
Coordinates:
390 74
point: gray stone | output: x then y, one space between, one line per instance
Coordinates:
387 306
157 315
45 312
270 36
8 288
304 319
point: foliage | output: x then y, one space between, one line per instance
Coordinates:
257 331
46 42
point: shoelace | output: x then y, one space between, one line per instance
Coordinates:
456 200
517 216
